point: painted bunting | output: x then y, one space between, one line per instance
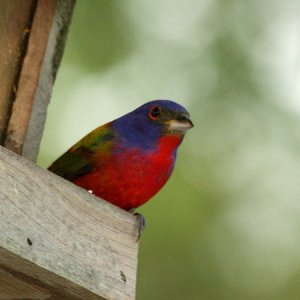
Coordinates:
127 161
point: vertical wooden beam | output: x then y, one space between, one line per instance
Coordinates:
13 42
33 89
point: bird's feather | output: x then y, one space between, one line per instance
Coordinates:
83 156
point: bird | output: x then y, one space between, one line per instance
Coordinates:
128 160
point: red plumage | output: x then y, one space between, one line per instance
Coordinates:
128 179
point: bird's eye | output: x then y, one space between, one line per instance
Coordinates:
154 113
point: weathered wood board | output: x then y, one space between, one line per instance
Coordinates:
57 241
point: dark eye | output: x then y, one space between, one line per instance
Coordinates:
154 113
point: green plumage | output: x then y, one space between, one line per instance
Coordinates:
82 157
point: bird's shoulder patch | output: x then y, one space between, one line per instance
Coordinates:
82 157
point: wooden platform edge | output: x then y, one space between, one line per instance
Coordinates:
59 240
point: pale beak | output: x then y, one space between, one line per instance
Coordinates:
181 124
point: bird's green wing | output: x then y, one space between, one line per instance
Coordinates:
81 158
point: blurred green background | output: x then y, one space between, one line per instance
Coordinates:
227 225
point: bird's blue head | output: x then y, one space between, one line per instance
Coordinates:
143 127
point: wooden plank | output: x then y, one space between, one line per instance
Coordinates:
13 43
13 288
44 51
59 240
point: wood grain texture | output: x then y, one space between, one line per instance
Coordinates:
45 47
60 241
54 52
13 43
13 288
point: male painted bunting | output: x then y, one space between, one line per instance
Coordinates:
127 161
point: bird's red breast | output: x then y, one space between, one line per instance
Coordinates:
131 177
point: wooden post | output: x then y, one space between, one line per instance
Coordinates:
13 40
32 37
56 240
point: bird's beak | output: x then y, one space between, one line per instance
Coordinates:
181 124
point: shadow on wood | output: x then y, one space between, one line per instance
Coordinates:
60 242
